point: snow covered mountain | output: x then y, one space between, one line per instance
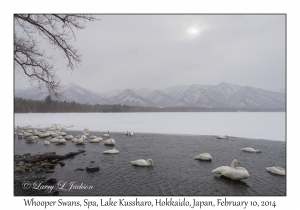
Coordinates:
222 95
33 93
161 99
253 97
180 91
111 93
228 95
144 92
71 92
130 98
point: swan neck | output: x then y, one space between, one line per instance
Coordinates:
232 164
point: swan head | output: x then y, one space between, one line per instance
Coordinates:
259 151
150 162
236 161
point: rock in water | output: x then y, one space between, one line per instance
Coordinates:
92 169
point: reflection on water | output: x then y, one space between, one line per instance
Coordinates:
175 170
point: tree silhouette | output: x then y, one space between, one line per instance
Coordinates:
56 30
48 99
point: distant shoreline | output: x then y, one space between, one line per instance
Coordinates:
35 106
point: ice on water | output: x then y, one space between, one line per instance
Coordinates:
257 125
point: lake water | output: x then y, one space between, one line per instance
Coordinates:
175 171
252 125
172 140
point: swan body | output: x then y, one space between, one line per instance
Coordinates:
44 134
276 170
95 140
109 142
47 142
222 169
249 149
53 140
106 134
129 133
234 173
26 134
74 139
142 162
237 173
55 135
112 151
61 141
31 138
222 137
203 156
69 137
79 141
62 133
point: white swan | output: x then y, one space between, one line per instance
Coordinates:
129 133
222 137
79 141
46 142
106 134
81 136
234 173
95 140
222 169
142 162
26 134
69 137
53 140
109 142
203 156
276 170
237 173
249 149
20 134
62 133
61 141
44 134
112 151
30 138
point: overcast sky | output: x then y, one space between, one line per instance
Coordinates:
158 51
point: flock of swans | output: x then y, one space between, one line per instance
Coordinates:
238 173
58 137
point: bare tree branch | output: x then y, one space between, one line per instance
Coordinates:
58 31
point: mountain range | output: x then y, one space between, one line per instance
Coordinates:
221 95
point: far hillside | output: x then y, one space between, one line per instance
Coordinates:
224 95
